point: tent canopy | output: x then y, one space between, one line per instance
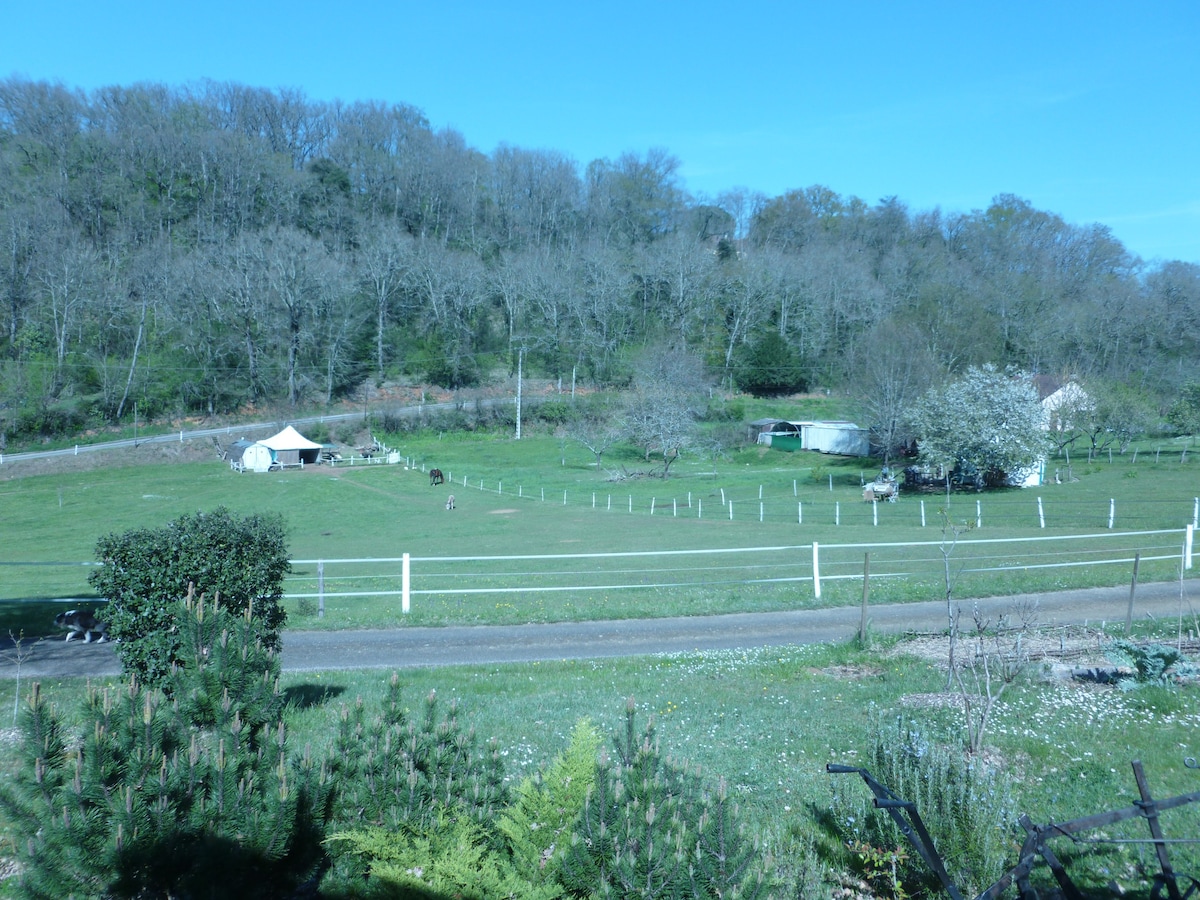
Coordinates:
291 448
290 439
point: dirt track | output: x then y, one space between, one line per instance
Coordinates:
312 651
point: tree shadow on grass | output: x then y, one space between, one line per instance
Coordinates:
306 696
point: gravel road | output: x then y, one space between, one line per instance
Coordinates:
401 647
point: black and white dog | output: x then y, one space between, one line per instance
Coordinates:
79 621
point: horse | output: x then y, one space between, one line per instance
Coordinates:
450 502
436 477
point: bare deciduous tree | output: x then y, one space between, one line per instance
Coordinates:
997 656
664 403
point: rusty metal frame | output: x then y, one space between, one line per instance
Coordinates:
913 828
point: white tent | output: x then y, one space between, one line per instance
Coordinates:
291 448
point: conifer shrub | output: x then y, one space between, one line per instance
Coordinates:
453 857
652 828
409 783
538 823
397 768
193 796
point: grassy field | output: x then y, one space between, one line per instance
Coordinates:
543 496
766 720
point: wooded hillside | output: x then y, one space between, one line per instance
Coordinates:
193 249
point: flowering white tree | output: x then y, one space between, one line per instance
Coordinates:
989 425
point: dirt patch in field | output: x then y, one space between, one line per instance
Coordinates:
1077 645
498 512
92 460
850 672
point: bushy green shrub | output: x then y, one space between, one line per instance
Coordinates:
721 410
545 807
448 858
241 561
61 420
552 412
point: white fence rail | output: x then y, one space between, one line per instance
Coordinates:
586 574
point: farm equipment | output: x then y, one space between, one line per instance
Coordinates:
884 487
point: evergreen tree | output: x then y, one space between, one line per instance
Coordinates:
195 796
768 367
545 807
396 769
416 790
650 829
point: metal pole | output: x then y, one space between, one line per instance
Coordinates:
520 362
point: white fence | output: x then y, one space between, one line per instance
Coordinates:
587 574
810 504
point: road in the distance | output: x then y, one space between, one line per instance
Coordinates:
403 647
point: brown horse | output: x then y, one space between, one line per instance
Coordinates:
436 477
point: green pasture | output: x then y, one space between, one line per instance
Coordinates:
544 497
766 720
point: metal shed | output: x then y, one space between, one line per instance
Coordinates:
756 429
842 438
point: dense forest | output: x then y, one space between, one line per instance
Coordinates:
192 250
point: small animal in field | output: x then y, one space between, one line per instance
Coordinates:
450 502
436 477
80 621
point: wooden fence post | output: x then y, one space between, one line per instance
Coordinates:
405 584
1137 558
862 623
816 572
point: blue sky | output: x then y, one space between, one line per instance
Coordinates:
1089 110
